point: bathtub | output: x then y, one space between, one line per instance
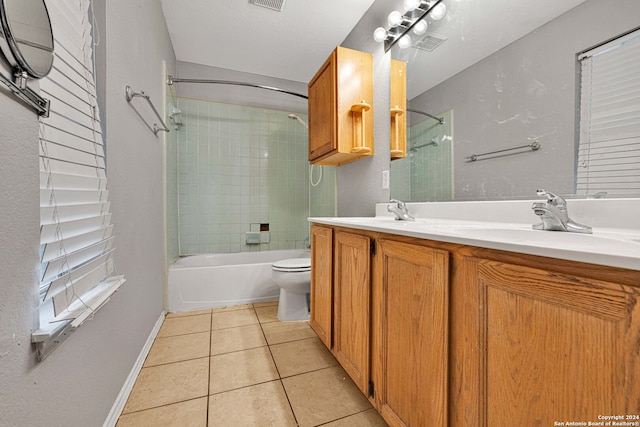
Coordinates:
218 280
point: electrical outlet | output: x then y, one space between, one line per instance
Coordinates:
385 180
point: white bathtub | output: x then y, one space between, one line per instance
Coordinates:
218 280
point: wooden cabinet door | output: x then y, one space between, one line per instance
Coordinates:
321 317
411 290
341 108
351 337
545 347
322 110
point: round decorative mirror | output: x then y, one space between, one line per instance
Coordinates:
26 39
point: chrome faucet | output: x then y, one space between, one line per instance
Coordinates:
400 209
554 215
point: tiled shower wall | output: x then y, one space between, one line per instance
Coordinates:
244 169
427 172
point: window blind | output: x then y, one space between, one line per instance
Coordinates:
609 144
77 273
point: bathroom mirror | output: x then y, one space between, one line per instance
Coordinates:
26 38
505 75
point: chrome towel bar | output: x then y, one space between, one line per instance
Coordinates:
535 145
130 94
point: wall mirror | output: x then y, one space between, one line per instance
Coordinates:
503 75
26 38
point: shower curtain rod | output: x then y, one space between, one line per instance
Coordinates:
171 80
439 119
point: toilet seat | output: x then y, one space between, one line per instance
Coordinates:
292 265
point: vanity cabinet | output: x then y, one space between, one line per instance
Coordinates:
341 108
321 302
390 308
410 340
352 305
535 346
398 104
441 334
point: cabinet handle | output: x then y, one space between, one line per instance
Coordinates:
360 146
396 112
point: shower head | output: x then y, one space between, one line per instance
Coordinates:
294 117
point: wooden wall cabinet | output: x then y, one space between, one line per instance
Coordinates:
341 109
398 104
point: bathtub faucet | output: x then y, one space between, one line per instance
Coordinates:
400 209
553 213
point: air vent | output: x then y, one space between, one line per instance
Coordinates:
429 42
270 4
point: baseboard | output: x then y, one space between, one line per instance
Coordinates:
121 400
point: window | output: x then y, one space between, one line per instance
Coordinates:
76 241
609 144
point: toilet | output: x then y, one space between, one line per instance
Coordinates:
293 276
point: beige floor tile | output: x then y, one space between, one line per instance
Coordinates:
177 348
267 313
265 303
241 369
259 405
185 325
232 308
321 396
192 413
232 319
171 383
279 332
188 313
297 357
369 418
236 339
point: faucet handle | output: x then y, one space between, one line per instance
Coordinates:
553 199
398 203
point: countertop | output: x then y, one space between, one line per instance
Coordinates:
615 247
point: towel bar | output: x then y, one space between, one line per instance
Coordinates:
130 94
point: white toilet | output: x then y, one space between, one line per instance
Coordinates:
293 276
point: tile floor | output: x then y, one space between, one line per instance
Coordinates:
240 366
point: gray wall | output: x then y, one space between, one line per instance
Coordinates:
524 92
79 382
360 182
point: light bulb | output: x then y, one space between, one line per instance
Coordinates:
410 5
394 19
438 12
420 28
404 42
380 34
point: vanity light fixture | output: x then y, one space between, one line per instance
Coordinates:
414 19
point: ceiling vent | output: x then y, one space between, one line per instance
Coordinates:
270 4
429 42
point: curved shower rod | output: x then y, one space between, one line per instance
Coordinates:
439 119
171 80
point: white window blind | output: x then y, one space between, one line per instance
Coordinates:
609 146
76 241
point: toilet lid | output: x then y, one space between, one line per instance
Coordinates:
293 264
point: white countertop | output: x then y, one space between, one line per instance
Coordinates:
615 247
